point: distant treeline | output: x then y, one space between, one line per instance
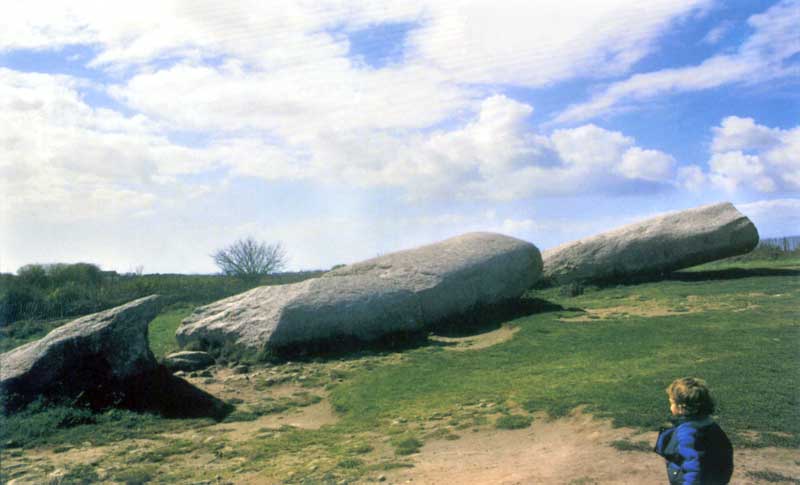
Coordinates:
787 244
48 291
772 248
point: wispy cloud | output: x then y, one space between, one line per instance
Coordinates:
761 57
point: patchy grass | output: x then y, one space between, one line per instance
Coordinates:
627 445
772 477
269 405
739 333
136 475
81 474
54 425
406 445
734 325
513 421
161 332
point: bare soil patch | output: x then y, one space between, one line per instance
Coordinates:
648 310
655 308
572 450
480 341
310 417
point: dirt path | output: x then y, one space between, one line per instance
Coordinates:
575 450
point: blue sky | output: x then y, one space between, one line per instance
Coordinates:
153 134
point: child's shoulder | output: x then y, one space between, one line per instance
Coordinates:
691 425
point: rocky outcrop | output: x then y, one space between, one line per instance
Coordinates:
398 292
95 351
655 246
187 360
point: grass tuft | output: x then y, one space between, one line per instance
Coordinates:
626 445
513 421
407 446
772 477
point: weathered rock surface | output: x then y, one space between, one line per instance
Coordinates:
655 246
402 291
109 346
187 360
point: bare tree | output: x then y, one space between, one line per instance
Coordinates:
248 258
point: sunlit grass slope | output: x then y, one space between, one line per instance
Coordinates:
615 350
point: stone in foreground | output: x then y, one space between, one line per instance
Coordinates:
399 292
187 360
96 350
654 247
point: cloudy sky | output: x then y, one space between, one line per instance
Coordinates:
152 133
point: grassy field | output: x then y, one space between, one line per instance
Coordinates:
615 350
611 350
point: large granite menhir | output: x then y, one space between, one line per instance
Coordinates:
93 352
398 292
655 246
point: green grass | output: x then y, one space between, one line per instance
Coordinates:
735 325
81 474
22 332
513 421
54 425
161 332
618 367
269 405
779 263
136 475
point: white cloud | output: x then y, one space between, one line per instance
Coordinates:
64 160
537 43
736 133
785 158
692 178
761 207
717 33
295 103
283 101
90 154
774 218
748 155
759 58
557 39
495 156
590 145
731 169
647 165
142 32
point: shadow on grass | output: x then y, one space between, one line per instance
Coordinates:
687 276
478 320
491 317
730 274
156 392
162 393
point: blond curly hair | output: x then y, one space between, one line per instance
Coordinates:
692 396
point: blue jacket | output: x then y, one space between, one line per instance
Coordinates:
697 451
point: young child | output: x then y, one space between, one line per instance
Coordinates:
696 449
